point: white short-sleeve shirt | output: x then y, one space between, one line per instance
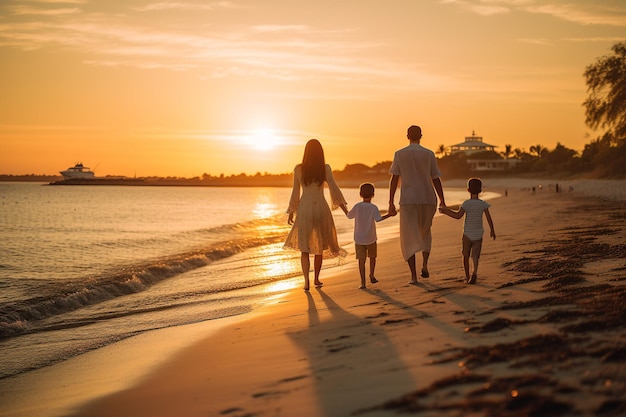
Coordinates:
417 167
365 215
473 227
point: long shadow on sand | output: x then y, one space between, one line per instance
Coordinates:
332 335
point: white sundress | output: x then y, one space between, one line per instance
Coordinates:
314 230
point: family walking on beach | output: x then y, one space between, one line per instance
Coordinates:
415 169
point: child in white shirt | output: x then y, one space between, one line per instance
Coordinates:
365 215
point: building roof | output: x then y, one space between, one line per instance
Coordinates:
474 143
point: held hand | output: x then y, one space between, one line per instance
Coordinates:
493 235
392 209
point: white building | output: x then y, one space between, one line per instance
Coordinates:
474 144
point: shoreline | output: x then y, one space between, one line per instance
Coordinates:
586 186
393 347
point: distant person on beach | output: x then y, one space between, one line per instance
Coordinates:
313 230
417 167
365 215
472 240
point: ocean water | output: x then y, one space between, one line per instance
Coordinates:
84 266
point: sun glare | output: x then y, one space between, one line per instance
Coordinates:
264 139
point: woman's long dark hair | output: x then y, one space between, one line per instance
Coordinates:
313 163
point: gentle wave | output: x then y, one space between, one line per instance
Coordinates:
22 317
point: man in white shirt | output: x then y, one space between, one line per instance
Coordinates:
415 167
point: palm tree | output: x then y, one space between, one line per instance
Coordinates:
537 149
606 83
507 151
441 150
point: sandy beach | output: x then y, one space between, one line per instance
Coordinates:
543 333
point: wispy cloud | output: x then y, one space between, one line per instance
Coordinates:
484 7
34 11
281 28
59 1
213 49
603 39
284 52
187 6
173 6
580 12
535 41
586 14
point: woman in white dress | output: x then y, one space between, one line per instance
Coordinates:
313 230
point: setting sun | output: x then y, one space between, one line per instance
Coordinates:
265 139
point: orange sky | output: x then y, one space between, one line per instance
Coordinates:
182 88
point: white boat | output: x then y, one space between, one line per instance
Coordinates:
78 171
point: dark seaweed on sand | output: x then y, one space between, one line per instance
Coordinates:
548 372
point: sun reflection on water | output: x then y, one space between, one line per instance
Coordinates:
262 210
265 205
281 286
272 262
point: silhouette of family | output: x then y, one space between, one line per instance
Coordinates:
414 169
